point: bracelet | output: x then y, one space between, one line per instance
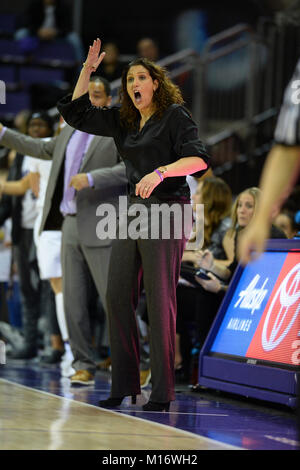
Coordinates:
88 66
159 174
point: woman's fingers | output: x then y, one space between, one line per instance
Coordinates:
146 185
143 190
96 45
101 57
94 50
147 192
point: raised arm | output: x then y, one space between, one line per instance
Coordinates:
93 60
26 145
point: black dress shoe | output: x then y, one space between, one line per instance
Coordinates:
24 353
53 358
115 402
153 406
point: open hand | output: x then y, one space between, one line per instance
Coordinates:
93 59
146 185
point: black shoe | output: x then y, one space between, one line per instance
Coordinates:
115 402
53 358
12 335
153 406
24 353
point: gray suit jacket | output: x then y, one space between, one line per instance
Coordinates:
101 160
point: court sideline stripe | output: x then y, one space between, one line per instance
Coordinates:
176 430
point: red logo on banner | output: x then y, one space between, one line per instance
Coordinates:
277 337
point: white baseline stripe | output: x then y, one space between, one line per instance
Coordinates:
177 413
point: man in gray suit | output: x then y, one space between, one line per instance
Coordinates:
85 172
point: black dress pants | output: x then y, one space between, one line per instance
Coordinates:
157 262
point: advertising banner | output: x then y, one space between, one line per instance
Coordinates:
262 321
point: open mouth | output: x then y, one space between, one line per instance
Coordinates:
137 96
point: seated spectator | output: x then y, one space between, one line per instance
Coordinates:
202 304
285 220
47 20
148 48
216 196
288 217
242 213
111 66
21 120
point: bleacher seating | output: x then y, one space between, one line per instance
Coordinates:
10 51
15 101
7 24
35 74
8 74
58 54
50 63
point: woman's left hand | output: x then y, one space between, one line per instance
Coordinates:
147 184
213 285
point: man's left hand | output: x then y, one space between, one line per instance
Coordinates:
79 181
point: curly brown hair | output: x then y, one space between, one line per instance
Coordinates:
217 200
166 94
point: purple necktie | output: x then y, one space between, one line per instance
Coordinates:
75 165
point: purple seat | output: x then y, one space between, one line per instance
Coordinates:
56 52
15 102
10 48
8 74
34 74
7 23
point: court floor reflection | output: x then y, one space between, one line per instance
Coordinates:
223 419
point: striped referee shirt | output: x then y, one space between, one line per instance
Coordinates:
287 131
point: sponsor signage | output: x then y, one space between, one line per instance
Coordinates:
262 320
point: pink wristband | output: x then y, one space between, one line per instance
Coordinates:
159 174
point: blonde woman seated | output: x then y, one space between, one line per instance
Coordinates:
242 212
202 304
